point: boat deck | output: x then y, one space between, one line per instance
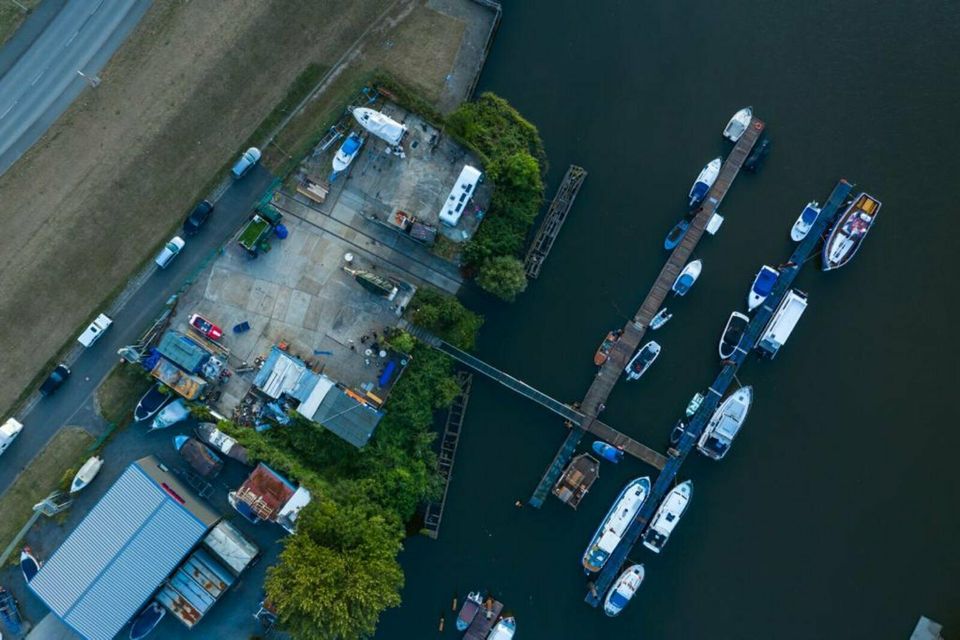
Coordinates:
576 481
479 629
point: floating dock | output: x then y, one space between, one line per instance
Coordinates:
448 453
488 615
717 390
553 220
576 481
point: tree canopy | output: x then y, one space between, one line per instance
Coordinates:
503 276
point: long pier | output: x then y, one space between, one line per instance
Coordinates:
448 453
553 220
664 481
633 332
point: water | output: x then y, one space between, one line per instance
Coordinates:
835 514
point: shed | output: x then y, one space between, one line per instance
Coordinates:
282 373
183 352
350 418
262 494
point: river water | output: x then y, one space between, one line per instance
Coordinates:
836 513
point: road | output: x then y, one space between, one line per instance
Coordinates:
43 81
70 404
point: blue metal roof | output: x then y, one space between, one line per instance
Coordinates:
118 555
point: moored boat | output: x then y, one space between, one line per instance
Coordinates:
667 516
694 404
725 424
676 235
86 474
347 152
733 332
849 231
762 286
760 151
615 524
623 590
607 451
29 564
208 433
603 352
151 402
147 621
662 318
738 124
687 277
677 432
805 221
198 455
577 479
640 362
504 629
171 414
706 178
471 606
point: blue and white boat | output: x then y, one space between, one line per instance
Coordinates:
667 516
663 317
347 152
615 524
504 629
762 286
29 565
704 181
694 405
623 590
803 224
607 451
471 607
687 277
725 424
640 362
676 234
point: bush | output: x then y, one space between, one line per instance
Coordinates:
445 316
503 276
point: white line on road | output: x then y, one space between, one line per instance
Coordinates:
12 105
71 39
37 77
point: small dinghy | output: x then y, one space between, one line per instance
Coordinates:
86 474
504 629
762 286
347 152
9 613
662 318
687 277
737 323
642 360
738 124
29 564
677 431
708 175
147 621
171 415
603 352
151 402
607 451
471 607
623 590
694 405
676 235
803 224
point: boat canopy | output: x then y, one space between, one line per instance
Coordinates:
765 281
809 214
351 145
783 322
608 541
619 600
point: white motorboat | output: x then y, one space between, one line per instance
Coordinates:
615 524
725 424
662 318
849 231
171 414
347 152
687 277
708 175
623 590
667 516
86 474
380 125
737 324
803 224
504 629
640 362
762 286
738 124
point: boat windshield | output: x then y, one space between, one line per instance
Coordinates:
727 427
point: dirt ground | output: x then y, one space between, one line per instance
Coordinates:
109 181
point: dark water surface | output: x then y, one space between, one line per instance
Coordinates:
837 512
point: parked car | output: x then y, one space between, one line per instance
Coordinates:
92 333
169 251
197 217
249 158
55 380
9 430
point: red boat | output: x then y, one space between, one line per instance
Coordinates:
205 327
604 351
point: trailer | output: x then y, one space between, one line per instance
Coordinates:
255 234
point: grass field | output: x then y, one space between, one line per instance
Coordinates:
117 396
12 16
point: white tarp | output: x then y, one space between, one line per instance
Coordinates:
380 125
309 406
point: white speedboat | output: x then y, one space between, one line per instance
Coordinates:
640 362
623 590
171 414
86 474
708 175
347 152
504 629
662 318
762 286
738 124
737 324
380 125
615 524
667 516
725 424
687 277
29 564
803 224
849 231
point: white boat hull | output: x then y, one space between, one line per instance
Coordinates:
667 516
86 474
687 278
738 124
725 424
623 590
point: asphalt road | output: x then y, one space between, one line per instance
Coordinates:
71 403
43 81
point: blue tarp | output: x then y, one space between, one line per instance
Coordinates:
765 281
387 373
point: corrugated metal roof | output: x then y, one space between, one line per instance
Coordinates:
353 421
118 555
183 351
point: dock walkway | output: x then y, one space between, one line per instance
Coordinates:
553 220
691 435
448 453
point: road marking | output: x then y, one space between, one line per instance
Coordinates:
12 105
71 39
37 77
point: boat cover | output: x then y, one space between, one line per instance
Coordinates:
765 281
619 600
809 214
380 125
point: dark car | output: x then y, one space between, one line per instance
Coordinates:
56 378
197 217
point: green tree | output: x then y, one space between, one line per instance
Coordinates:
503 276
445 316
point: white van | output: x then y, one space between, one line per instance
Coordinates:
95 330
9 430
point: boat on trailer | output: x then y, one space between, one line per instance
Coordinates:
662 318
733 332
706 178
29 564
805 221
667 516
86 474
676 235
615 524
738 124
347 152
147 621
623 590
603 352
725 424
849 231
471 606
687 277
640 362
762 286
151 402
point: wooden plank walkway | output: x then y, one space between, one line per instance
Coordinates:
488 615
554 219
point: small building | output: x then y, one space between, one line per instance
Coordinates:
186 385
262 495
183 352
283 374
460 196
349 415
122 551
